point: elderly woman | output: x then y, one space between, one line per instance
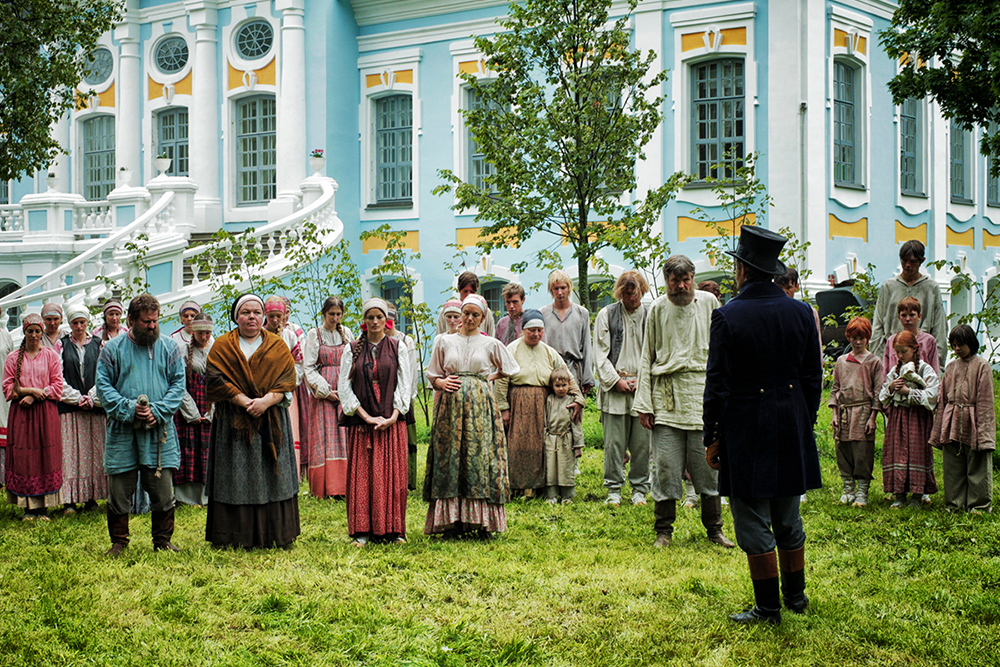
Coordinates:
32 382
322 354
194 419
521 399
466 479
374 386
252 480
81 417
112 327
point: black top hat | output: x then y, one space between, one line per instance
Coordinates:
760 248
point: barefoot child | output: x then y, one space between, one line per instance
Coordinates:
965 426
857 379
909 394
563 439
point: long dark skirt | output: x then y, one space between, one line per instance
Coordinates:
526 437
252 499
34 450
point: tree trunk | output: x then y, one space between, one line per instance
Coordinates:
583 277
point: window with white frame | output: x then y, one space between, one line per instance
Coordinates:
961 164
394 149
910 148
492 291
98 157
172 139
718 117
479 168
846 123
256 150
992 182
4 192
392 290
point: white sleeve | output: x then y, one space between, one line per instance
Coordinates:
349 403
310 358
404 379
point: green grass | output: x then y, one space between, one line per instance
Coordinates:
567 585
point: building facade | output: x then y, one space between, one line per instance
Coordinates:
238 93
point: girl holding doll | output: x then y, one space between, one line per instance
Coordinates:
909 394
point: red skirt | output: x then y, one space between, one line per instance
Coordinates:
907 459
377 480
34 449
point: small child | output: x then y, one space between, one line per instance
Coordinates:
908 312
910 393
857 379
965 426
563 439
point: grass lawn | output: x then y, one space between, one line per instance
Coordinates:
566 585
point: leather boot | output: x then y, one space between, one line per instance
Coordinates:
766 593
793 579
163 530
118 532
664 515
711 518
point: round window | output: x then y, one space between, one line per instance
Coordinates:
99 67
172 55
254 39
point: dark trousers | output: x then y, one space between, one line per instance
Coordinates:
763 523
160 489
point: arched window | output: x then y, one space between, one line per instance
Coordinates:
172 139
256 151
98 157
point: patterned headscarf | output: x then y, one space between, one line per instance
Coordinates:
113 304
477 301
189 305
452 306
50 309
32 318
274 303
202 322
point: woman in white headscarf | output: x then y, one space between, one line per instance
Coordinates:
466 479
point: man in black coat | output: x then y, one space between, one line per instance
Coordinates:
762 392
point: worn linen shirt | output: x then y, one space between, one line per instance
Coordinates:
458 353
933 320
965 411
535 365
608 400
310 357
855 395
674 359
570 337
507 330
126 370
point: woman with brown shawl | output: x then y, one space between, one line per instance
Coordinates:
252 481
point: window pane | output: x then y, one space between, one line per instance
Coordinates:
717 111
393 148
844 121
256 146
98 157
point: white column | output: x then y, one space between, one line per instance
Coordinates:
291 107
204 123
649 172
128 100
814 160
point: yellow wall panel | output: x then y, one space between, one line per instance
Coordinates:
966 238
904 233
733 36
840 39
990 240
266 75
235 77
469 67
690 228
466 237
852 230
411 241
692 41
730 37
183 87
108 97
404 76
155 89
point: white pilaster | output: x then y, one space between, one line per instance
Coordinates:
815 162
128 98
649 173
291 107
204 125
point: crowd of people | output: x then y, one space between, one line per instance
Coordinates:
721 399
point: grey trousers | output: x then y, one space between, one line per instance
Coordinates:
764 523
675 449
122 486
968 478
855 459
624 433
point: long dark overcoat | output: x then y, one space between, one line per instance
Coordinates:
762 391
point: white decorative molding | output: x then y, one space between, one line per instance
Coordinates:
696 17
411 37
373 12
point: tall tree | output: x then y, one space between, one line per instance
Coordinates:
950 50
562 119
44 49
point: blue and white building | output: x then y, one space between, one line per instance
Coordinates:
237 93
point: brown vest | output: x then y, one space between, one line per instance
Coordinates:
362 379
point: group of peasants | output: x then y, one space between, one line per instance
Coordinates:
725 397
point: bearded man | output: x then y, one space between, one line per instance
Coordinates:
141 383
669 395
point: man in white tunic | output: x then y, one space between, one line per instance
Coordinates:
617 351
567 329
669 399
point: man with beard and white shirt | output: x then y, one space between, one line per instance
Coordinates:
141 383
669 397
